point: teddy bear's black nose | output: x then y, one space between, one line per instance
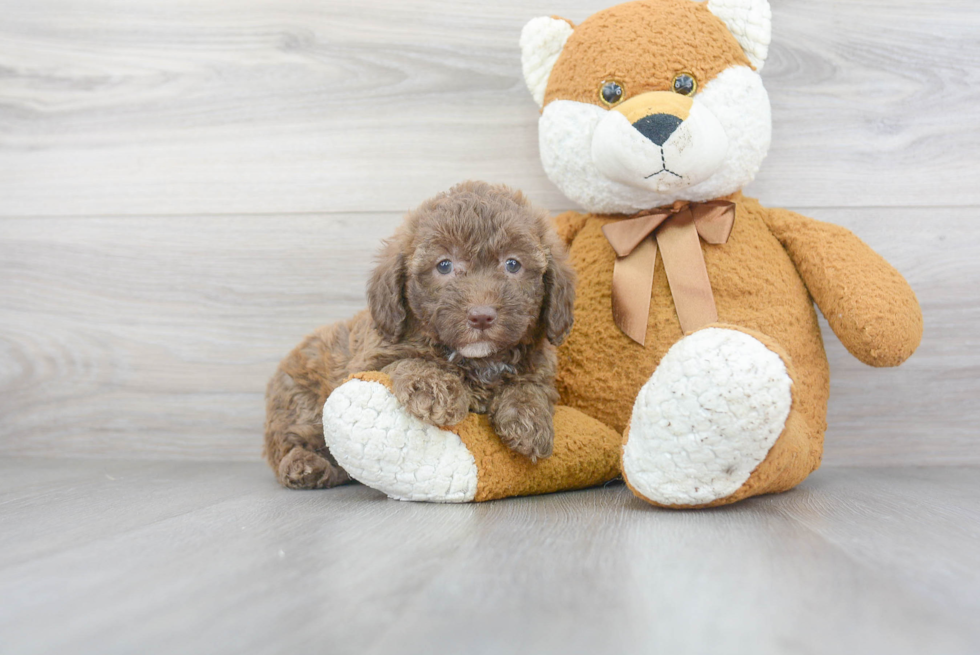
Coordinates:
658 127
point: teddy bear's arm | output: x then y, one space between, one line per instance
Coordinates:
868 304
568 224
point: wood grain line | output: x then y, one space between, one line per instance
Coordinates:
112 108
154 337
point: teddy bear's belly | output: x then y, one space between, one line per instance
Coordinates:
755 286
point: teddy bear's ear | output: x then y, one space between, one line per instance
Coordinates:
542 40
750 22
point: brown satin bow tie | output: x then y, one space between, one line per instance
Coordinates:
676 231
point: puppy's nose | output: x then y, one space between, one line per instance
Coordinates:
481 318
658 127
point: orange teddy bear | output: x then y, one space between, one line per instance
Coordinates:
695 367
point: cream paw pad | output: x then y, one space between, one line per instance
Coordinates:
707 418
381 445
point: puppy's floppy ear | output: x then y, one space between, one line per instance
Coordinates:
386 291
557 314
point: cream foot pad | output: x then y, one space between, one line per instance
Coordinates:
384 447
706 419
381 445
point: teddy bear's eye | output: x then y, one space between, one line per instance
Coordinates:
512 265
445 266
611 92
684 84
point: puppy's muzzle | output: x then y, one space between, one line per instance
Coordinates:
481 318
657 114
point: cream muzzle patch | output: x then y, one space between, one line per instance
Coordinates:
600 160
659 141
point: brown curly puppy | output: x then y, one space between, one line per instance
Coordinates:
466 304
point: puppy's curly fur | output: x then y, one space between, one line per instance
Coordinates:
467 302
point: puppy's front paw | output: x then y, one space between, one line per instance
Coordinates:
526 429
304 469
433 396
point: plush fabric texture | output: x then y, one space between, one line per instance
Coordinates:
750 22
706 418
735 409
881 324
600 161
765 279
785 465
764 288
542 40
624 154
383 446
642 45
704 425
586 453
755 284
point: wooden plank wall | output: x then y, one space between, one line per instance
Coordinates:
188 187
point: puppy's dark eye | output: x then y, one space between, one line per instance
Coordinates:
512 265
610 92
445 266
684 84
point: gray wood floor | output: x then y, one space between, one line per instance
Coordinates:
191 557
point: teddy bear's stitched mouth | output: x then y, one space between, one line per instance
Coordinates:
663 169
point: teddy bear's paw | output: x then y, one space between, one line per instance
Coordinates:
706 419
383 446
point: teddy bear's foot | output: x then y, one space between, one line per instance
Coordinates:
707 418
379 443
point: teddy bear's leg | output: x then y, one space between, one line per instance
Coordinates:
383 446
718 421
